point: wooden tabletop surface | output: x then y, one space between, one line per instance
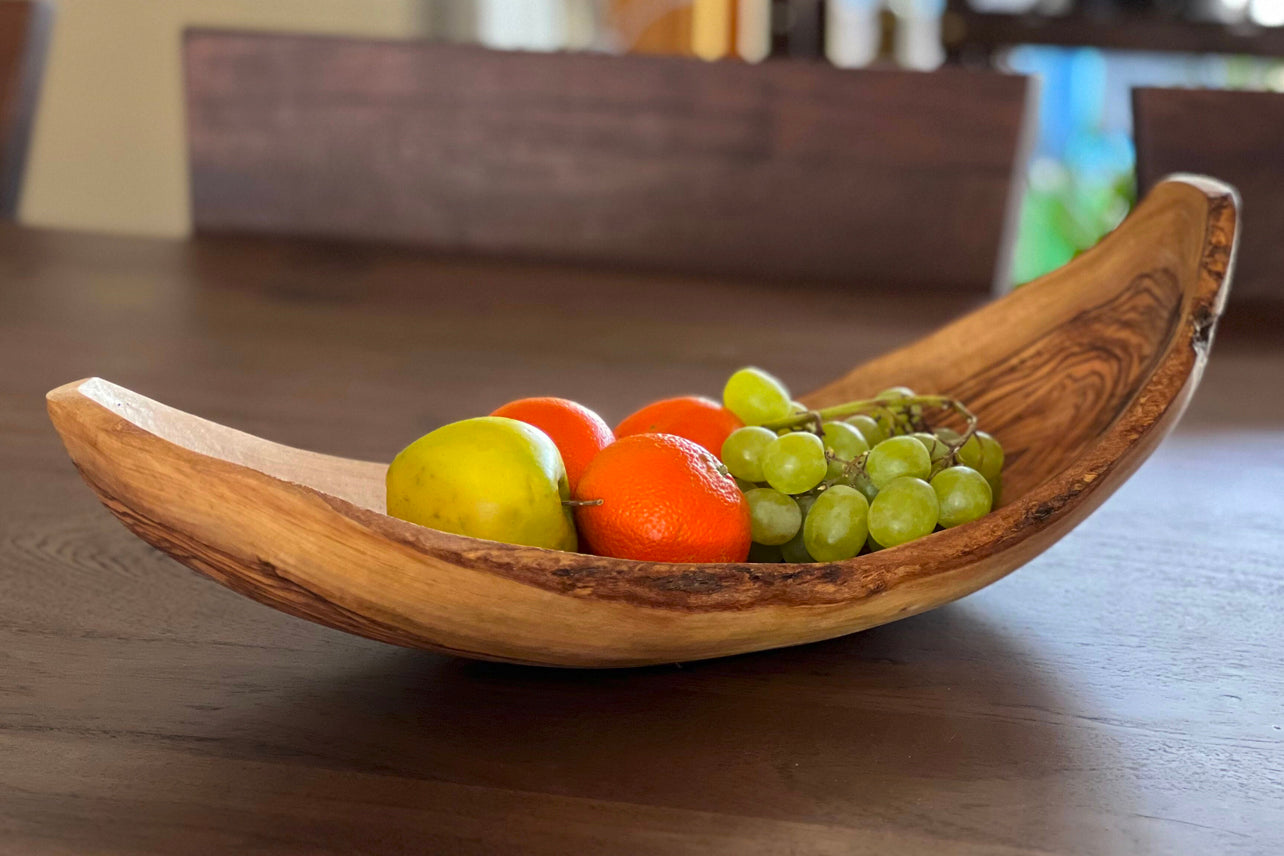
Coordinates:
1123 693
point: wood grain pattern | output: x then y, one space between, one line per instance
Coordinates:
639 162
1239 137
1104 355
24 36
1122 694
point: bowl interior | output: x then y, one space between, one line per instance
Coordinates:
1050 367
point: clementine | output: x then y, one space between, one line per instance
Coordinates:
701 420
663 499
578 432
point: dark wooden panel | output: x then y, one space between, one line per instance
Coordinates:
967 31
784 169
1239 138
1121 695
24 36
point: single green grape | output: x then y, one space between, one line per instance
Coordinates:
756 397
795 463
844 443
861 482
896 457
742 452
763 554
836 527
798 407
794 550
844 440
774 518
963 495
905 508
896 392
947 435
937 449
984 454
870 428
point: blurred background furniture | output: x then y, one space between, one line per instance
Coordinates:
110 155
1239 137
24 38
979 30
784 170
1088 57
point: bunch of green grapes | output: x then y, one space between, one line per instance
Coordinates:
823 485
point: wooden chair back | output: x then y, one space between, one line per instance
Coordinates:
785 169
1237 137
24 37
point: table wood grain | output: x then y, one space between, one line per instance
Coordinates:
1123 693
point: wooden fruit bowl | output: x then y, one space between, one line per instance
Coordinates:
1080 374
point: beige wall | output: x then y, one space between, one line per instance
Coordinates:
107 152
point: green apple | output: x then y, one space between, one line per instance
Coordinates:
489 477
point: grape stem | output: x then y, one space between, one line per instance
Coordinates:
812 421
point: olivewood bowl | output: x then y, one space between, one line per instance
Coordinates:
1080 374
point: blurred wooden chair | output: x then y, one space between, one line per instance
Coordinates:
782 170
24 38
1239 138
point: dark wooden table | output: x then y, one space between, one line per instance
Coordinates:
1124 693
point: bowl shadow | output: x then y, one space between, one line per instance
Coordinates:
941 727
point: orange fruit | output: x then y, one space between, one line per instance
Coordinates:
701 420
664 499
578 432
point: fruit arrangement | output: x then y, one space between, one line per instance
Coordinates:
757 477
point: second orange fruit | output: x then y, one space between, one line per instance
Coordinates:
701 420
578 432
